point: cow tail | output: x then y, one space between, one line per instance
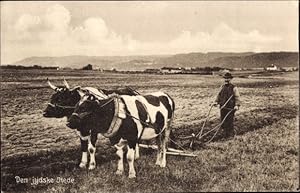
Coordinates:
172 140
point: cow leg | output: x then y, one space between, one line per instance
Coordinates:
84 148
158 156
164 147
130 160
92 150
120 153
137 152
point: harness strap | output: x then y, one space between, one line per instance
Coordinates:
107 103
139 139
150 125
61 106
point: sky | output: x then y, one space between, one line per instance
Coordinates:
110 28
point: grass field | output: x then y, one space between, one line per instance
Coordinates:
262 157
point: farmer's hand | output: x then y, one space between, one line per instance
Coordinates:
236 108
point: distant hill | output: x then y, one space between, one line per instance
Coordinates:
199 59
233 60
211 59
104 62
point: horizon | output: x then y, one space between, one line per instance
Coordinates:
60 29
154 54
74 61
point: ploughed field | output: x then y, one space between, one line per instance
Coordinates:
263 155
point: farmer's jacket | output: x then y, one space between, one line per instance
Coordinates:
226 91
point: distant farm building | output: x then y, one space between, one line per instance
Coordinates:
272 67
88 67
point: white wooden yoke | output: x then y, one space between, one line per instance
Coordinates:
119 115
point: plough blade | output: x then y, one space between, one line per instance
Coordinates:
171 151
181 154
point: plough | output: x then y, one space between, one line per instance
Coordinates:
200 135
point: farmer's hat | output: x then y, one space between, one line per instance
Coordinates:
228 75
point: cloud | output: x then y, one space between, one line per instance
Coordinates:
57 17
51 34
26 22
93 31
224 38
51 27
25 25
56 22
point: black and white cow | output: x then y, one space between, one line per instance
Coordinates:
125 120
62 104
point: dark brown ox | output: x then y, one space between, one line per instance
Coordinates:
126 120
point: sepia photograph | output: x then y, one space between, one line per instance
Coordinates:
149 96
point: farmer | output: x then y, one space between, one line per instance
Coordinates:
229 101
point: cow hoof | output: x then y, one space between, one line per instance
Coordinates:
163 164
119 172
131 176
92 166
82 165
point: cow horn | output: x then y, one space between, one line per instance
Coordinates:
66 84
80 92
51 85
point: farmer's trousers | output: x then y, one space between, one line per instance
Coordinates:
227 125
